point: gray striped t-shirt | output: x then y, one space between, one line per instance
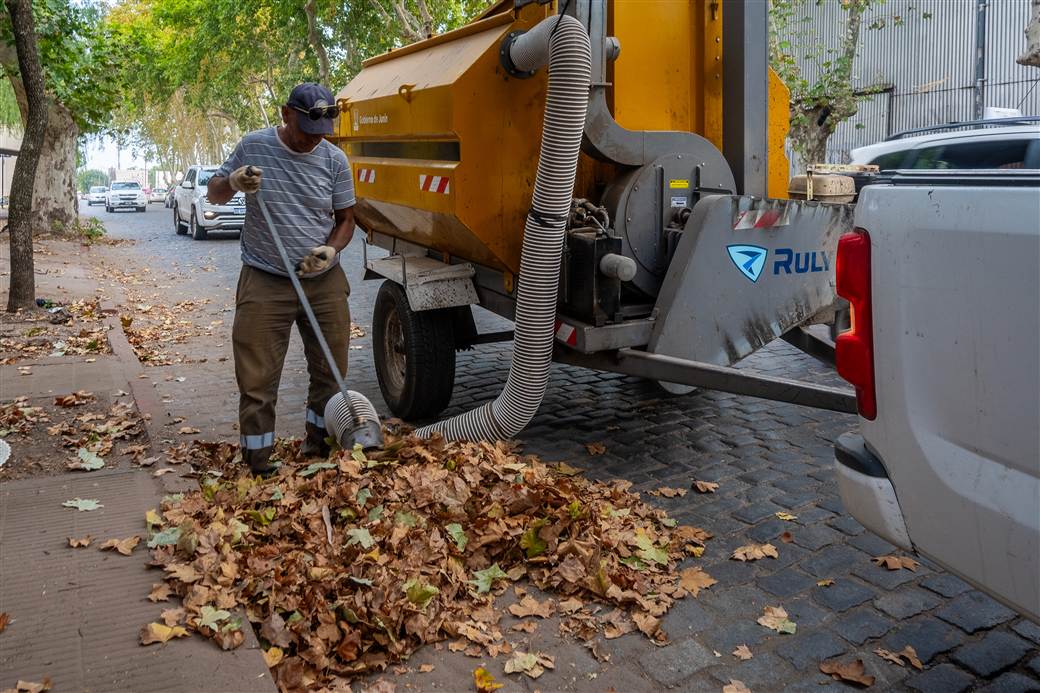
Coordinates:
301 192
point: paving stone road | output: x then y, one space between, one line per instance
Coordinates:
767 458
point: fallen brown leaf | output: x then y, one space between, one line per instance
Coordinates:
787 537
896 562
159 632
77 542
825 583
596 448
426 668
907 652
173 617
273 657
787 517
529 606
775 617
76 399
735 686
694 579
743 652
850 672
5 618
753 552
31 686
524 626
187 430
123 546
705 486
164 470
667 492
160 592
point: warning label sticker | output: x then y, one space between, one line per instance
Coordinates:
678 183
679 201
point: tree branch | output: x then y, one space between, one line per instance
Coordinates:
314 38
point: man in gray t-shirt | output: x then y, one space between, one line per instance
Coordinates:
309 191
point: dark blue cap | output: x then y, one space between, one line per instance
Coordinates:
307 96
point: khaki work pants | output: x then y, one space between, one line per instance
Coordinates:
266 306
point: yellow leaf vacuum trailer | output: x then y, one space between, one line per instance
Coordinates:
608 175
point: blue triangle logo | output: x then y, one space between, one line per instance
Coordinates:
749 259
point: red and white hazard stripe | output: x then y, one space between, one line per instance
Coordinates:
761 219
434 184
366 175
566 333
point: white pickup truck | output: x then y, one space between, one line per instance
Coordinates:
943 275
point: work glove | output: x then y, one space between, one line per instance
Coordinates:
245 179
319 260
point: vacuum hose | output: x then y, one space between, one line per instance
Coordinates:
562 42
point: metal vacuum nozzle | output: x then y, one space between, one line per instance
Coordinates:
358 428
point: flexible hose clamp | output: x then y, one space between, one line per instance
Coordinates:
507 61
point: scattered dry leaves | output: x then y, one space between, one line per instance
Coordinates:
849 672
596 448
775 617
735 686
75 399
667 492
160 632
160 592
78 542
31 686
908 653
896 562
743 652
753 552
705 486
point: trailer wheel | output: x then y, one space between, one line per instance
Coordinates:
414 355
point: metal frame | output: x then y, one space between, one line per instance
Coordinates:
745 89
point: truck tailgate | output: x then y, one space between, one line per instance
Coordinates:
956 311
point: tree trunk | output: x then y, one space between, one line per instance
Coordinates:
22 292
809 134
1032 54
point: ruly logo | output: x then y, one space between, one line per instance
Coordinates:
751 260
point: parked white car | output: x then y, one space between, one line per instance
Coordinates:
157 195
125 194
1007 143
192 211
96 196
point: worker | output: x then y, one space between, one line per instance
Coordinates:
309 192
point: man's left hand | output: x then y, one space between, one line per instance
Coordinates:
319 260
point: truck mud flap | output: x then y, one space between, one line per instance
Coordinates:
745 271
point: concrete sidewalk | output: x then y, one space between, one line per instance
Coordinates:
76 614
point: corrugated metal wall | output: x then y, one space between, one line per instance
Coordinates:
929 63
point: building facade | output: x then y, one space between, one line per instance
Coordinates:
935 61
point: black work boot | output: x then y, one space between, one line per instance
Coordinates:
314 444
259 462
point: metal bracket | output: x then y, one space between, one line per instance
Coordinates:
507 60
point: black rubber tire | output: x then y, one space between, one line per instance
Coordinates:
179 226
421 387
197 232
141 209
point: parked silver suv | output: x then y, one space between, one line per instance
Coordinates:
192 210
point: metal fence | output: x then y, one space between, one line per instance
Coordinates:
924 52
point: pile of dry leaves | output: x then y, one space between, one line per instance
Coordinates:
76 329
349 565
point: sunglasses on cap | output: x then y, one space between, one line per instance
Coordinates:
319 112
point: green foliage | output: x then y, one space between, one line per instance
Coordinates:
78 57
10 116
86 178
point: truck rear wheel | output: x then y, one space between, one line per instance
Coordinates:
414 355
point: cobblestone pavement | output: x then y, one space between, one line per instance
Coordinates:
767 458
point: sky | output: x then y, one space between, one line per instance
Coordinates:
101 154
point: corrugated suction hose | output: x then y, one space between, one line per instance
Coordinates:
561 41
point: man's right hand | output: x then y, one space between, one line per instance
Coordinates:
245 179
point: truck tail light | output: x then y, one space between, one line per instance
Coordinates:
854 348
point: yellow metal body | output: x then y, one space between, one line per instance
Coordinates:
444 144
